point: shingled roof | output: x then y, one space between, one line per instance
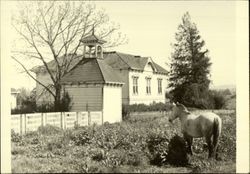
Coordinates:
90 70
127 61
115 60
92 39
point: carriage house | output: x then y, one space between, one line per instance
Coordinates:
99 80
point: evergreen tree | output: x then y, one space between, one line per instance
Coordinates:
190 66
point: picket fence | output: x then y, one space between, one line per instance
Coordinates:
23 123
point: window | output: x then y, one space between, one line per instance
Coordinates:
159 86
148 85
135 85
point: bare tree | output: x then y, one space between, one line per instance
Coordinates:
52 31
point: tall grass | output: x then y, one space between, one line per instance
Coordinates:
140 144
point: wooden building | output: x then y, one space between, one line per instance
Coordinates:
93 85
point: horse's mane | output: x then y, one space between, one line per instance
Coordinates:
183 108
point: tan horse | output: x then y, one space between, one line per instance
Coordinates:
206 125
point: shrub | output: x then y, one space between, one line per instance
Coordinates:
54 144
125 112
80 137
26 101
218 99
15 137
177 152
158 148
45 107
49 130
65 103
127 109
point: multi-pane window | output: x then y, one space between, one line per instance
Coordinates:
159 86
148 85
135 85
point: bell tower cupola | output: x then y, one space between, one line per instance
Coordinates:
92 46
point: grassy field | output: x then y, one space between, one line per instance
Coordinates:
139 144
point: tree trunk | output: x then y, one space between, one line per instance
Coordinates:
57 102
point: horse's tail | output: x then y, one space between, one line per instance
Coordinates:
216 132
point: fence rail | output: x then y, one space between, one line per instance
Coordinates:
23 123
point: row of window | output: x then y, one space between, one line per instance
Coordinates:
148 85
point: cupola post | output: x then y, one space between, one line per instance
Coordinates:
92 46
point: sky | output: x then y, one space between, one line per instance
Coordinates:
150 27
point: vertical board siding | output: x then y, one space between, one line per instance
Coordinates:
84 98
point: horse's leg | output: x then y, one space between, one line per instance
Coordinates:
210 146
216 135
189 140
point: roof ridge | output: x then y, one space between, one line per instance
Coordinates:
122 59
100 70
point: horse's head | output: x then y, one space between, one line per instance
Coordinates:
177 110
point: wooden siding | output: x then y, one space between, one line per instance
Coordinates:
42 97
85 98
112 108
142 96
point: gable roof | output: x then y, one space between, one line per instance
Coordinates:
123 61
52 64
90 70
115 60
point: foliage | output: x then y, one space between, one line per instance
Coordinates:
125 112
218 99
80 137
26 102
177 153
65 102
15 137
48 130
130 146
144 108
158 148
189 67
51 34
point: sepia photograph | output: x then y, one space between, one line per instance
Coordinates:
124 86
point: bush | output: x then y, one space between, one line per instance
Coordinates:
217 99
65 103
127 109
198 96
177 152
158 148
15 137
80 137
125 112
49 130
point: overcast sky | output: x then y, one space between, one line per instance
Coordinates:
150 27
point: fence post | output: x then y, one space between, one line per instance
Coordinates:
89 118
77 118
21 124
42 120
62 120
102 116
65 120
25 124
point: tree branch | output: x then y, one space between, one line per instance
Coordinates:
32 76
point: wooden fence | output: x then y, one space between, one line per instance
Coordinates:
22 123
